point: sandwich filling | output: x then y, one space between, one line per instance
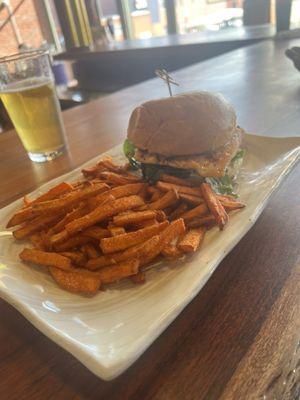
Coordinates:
212 165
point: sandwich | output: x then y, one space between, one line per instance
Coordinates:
188 135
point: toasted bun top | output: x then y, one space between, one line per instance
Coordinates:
190 123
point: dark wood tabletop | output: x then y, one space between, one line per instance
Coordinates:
240 337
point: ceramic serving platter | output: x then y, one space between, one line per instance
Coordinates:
108 332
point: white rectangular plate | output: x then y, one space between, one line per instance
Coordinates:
108 332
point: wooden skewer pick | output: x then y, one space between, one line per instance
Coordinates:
163 74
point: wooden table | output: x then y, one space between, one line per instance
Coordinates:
239 338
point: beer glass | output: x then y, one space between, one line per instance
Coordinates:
28 93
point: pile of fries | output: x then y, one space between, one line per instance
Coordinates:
111 225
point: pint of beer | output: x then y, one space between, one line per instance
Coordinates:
28 93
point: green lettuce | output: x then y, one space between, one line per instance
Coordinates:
223 186
129 151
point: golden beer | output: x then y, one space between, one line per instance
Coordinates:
34 110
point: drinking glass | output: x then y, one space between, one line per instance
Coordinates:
28 93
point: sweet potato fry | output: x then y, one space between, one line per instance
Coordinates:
37 241
133 217
21 216
103 212
91 172
59 237
191 199
116 230
178 211
138 278
73 242
89 250
100 200
53 193
229 204
171 252
119 179
44 258
177 181
76 281
157 194
119 271
144 224
69 200
165 201
214 205
192 240
207 221
195 212
76 257
100 262
95 232
35 225
77 213
122 242
165 187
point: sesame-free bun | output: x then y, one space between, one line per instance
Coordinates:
190 123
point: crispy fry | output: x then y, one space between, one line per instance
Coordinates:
229 204
214 205
144 224
76 281
69 200
192 240
138 278
76 257
35 225
78 212
21 216
207 221
177 181
53 193
122 242
103 212
191 199
178 211
165 201
37 241
133 217
93 171
156 195
95 232
195 212
100 262
119 271
90 251
165 187
100 200
59 237
116 230
43 258
119 179
171 252
73 242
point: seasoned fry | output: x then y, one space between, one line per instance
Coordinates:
76 281
191 199
177 181
214 205
171 252
59 237
78 212
230 204
165 201
90 251
144 224
178 211
69 200
35 225
165 187
21 216
103 212
53 193
76 257
122 242
116 230
119 271
73 242
192 240
37 241
95 232
207 220
195 212
138 278
133 217
43 258
119 179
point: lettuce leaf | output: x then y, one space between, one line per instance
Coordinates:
222 185
239 155
129 151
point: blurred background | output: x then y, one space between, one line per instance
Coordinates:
100 46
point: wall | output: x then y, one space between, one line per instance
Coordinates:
28 25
